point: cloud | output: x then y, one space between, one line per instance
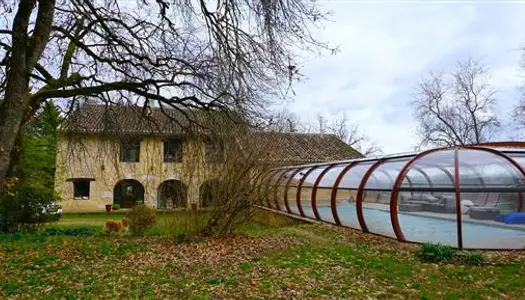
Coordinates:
385 49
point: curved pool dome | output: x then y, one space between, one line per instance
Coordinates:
467 197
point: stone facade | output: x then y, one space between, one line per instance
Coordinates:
93 170
96 159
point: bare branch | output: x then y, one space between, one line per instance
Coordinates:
231 55
42 31
456 108
349 133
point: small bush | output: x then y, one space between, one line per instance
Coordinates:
436 253
140 218
440 253
116 206
22 207
471 258
179 238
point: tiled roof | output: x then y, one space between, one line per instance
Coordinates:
113 119
281 148
298 148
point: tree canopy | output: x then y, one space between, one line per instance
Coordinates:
222 54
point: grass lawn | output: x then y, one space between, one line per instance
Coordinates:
287 261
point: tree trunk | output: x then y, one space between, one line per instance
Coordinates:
12 110
11 114
21 63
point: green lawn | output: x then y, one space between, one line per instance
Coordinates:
287 261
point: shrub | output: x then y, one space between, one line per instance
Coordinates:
471 258
436 253
179 238
140 218
22 207
441 253
116 206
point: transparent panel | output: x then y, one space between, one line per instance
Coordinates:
438 167
417 178
429 177
424 215
519 158
330 177
377 213
270 190
280 188
307 189
292 192
353 177
324 192
429 222
276 183
481 169
491 217
282 193
384 176
376 201
492 221
264 188
323 198
347 193
346 209
292 189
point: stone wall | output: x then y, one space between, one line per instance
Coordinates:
95 157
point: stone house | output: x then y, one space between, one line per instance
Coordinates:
120 154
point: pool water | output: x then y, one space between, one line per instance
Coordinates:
426 229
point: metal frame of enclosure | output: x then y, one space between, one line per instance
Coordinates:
468 197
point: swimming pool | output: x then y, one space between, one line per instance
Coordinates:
425 229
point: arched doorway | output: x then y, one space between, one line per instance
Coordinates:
208 193
128 192
171 194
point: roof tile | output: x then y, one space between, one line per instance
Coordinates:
283 148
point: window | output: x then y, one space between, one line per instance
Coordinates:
214 151
81 189
173 150
130 150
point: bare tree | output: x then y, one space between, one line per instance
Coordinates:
354 136
223 54
348 132
456 108
518 114
284 121
322 124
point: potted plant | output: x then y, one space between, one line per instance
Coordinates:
108 207
116 206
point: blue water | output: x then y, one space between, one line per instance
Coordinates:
425 229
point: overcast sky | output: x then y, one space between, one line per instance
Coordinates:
386 47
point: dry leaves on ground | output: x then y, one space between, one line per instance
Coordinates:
212 251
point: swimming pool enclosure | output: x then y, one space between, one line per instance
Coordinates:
468 197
